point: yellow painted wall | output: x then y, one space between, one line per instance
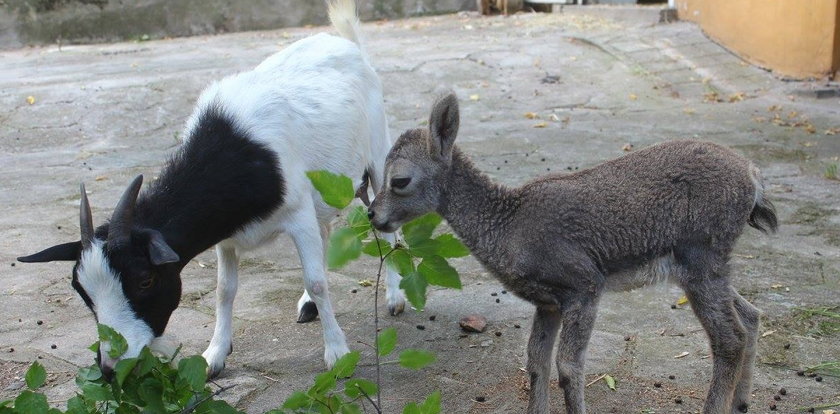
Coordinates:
798 38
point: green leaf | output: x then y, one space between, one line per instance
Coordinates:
193 370
97 392
359 222
386 341
344 246
356 387
350 409
146 361
432 404
438 272
371 248
216 407
425 248
400 261
124 368
414 285
29 402
450 246
117 342
416 358
336 190
150 392
297 400
420 228
610 381
346 365
76 405
412 408
94 347
36 376
324 382
88 374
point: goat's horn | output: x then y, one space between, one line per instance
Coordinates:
85 219
119 231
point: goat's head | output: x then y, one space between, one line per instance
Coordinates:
415 168
128 276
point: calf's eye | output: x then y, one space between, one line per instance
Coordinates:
400 183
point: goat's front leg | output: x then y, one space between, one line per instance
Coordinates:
221 345
540 345
393 294
304 229
307 311
578 319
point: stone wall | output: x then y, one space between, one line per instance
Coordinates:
33 22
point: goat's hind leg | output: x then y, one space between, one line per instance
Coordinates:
711 298
222 343
749 317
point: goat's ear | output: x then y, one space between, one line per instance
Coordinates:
159 251
443 126
62 252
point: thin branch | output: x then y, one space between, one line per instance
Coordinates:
190 408
376 325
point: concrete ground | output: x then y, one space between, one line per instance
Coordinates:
597 82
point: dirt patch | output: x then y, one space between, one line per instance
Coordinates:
11 372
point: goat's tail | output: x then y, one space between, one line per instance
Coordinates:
763 215
344 18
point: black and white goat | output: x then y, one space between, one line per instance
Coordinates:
237 182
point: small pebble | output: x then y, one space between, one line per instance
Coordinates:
53 346
40 357
657 384
812 375
627 338
671 377
11 350
673 306
548 169
494 294
811 410
354 291
772 407
13 264
678 400
818 379
432 318
516 325
40 322
777 397
800 373
480 398
498 333
20 320
504 292
497 301
421 327
782 391
787 346
543 160
59 227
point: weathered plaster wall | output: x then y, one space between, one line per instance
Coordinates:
791 37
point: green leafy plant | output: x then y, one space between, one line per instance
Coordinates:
156 384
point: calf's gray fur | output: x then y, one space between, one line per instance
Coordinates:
671 211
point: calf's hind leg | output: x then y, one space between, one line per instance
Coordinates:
749 317
577 322
711 298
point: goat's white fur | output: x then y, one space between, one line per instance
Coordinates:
110 304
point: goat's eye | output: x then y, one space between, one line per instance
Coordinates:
400 183
147 283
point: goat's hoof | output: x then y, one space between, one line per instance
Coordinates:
397 309
213 372
308 312
744 407
230 350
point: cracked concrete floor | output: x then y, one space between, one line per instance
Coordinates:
599 79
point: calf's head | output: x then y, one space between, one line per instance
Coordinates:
127 275
415 169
